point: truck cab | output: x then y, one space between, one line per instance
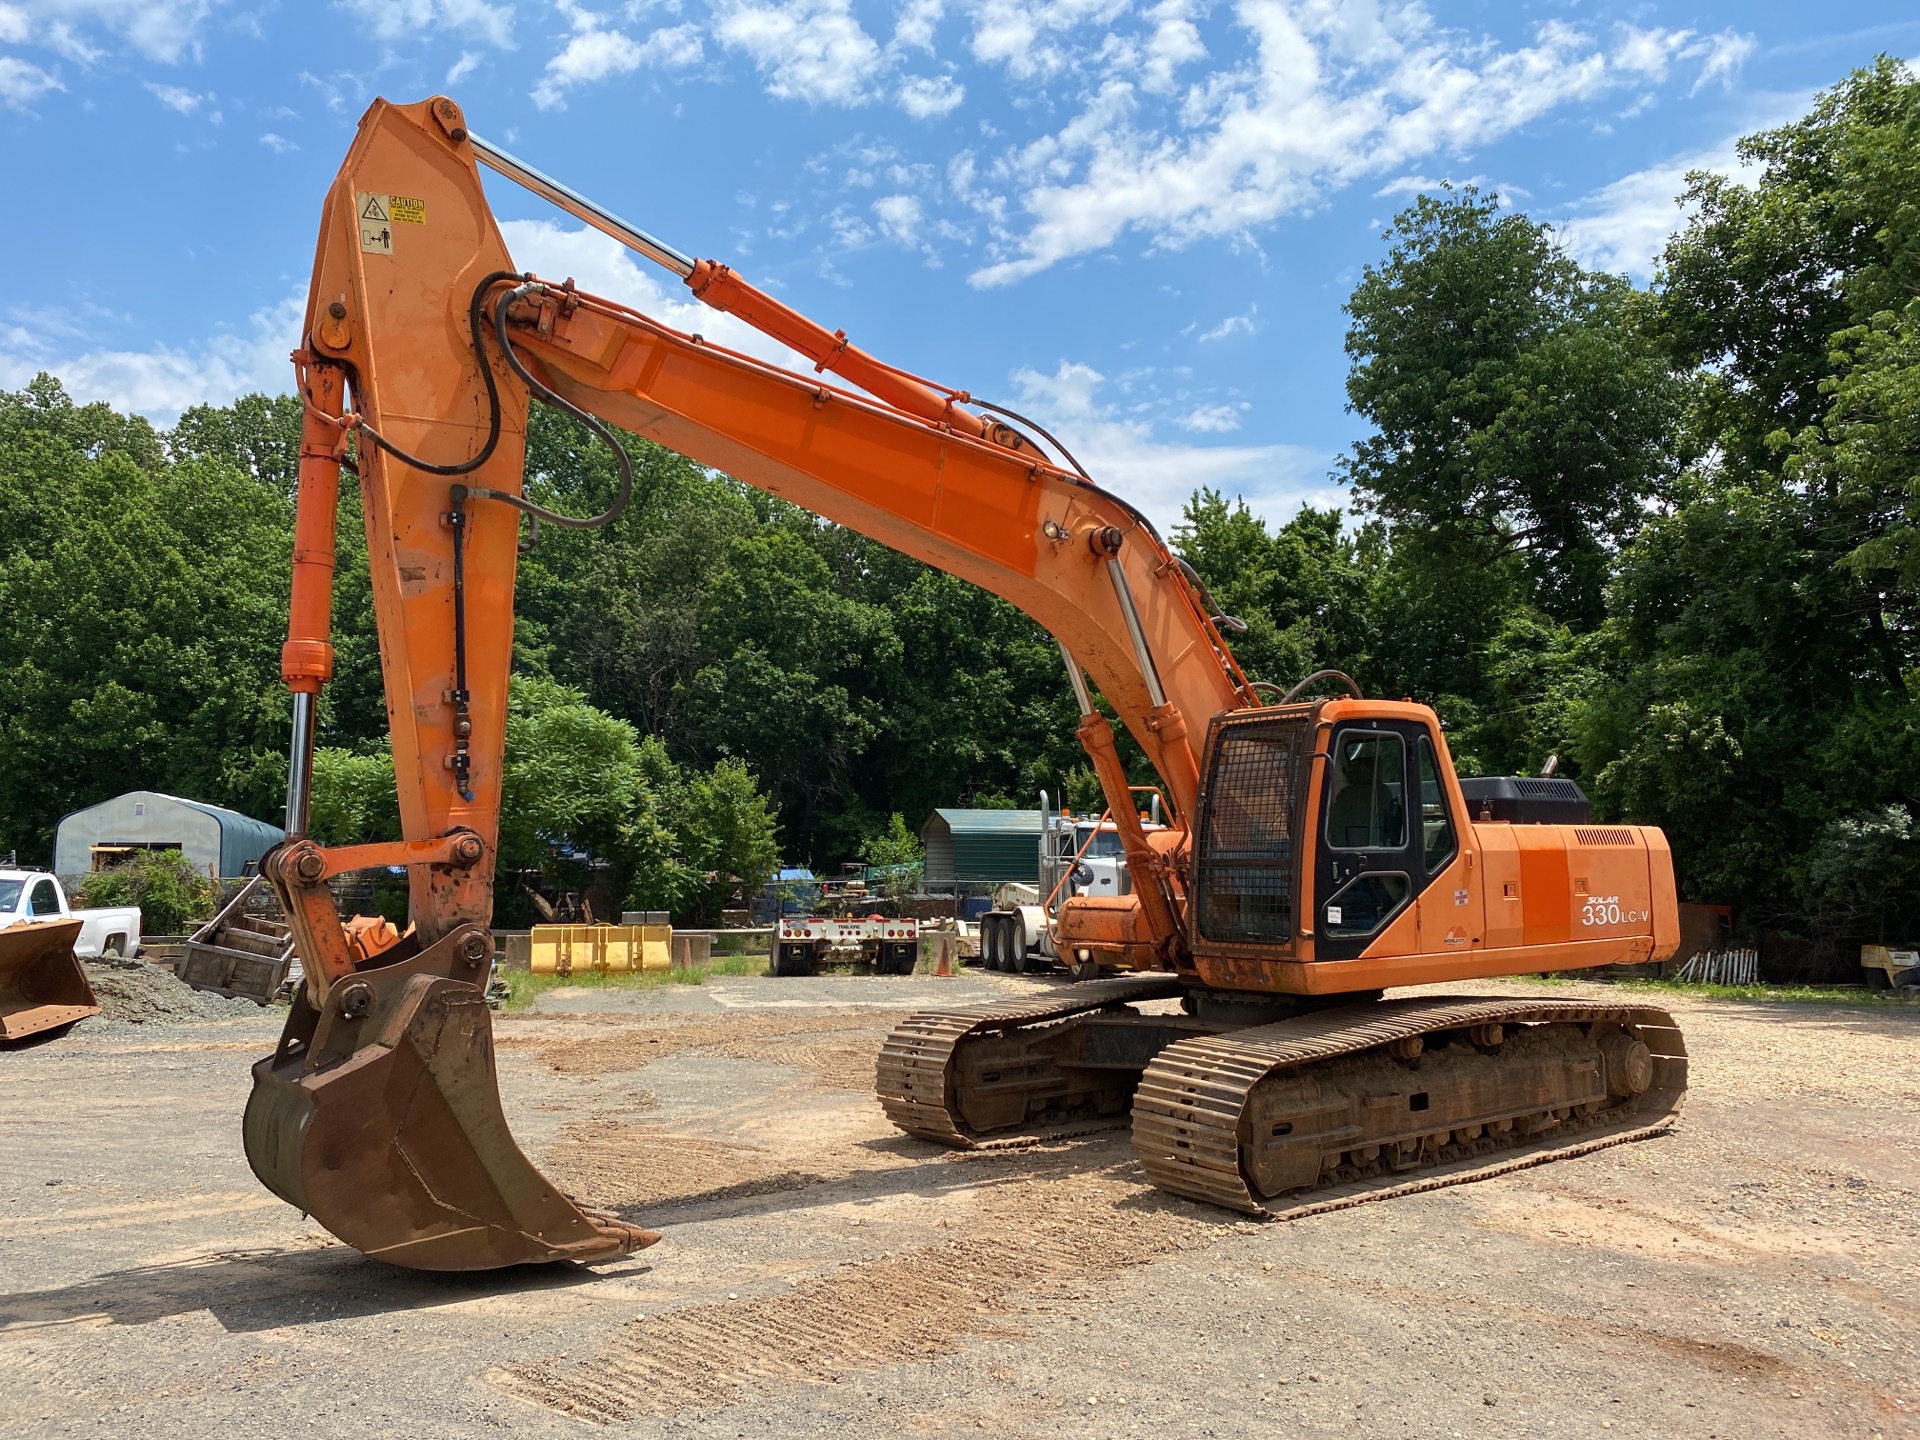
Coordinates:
38 895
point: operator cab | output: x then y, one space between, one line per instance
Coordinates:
1385 826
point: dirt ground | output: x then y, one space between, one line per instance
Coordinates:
1754 1274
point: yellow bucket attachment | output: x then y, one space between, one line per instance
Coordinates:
41 983
617 949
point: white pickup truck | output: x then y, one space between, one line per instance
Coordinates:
36 895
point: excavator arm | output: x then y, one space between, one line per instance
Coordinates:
379 1111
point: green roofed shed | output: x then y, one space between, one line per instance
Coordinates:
981 847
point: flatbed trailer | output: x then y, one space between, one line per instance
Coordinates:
805 943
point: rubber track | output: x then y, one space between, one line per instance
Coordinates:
912 1073
1186 1113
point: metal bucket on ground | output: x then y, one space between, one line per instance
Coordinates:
41 983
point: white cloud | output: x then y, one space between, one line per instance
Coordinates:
64 40
392 20
811 50
900 219
184 102
928 97
279 144
1175 42
161 382
163 30
13 25
1329 94
1624 226
913 28
594 54
1123 456
1232 325
1029 39
1648 52
468 62
1726 53
1211 419
21 84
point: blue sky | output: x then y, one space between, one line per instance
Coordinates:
1137 219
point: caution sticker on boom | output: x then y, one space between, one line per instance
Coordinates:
376 224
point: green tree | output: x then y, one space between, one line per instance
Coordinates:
1304 591
142 608
728 832
1762 634
897 856
1520 413
355 800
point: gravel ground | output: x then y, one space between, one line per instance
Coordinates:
1755 1274
136 993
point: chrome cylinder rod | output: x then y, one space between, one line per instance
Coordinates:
581 208
1142 656
300 764
1079 681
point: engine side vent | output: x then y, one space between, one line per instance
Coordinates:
1541 787
1604 837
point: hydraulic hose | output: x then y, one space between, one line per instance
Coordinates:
535 513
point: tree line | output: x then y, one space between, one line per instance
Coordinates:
1665 534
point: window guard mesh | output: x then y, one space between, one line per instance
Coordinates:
1245 874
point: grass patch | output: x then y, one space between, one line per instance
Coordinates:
1856 995
523 987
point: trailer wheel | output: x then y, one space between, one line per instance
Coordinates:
793 959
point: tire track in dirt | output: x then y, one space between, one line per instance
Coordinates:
1034 1235
629 1167
838 1048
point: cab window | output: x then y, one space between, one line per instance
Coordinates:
1437 838
41 900
1365 904
1366 784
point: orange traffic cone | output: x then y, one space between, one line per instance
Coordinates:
946 957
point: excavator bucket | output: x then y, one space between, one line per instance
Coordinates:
379 1115
42 985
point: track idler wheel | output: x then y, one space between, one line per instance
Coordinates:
379 1115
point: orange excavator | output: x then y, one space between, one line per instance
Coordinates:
1317 852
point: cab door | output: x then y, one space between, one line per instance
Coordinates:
43 900
1448 902
1368 864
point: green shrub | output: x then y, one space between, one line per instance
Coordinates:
170 893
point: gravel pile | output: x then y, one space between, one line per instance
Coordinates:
142 994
